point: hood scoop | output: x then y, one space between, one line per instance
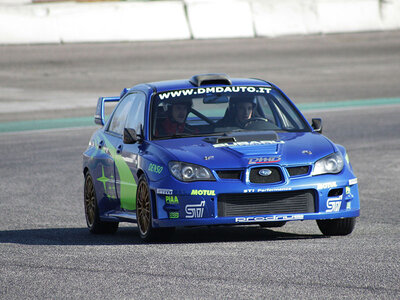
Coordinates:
248 143
232 138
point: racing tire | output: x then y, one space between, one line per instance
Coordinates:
145 216
336 226
93 221
275 224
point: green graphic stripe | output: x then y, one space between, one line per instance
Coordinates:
89 121
128 184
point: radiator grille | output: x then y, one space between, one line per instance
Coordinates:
229 174
274 177
296 171
231 205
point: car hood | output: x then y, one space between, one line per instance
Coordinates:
241 149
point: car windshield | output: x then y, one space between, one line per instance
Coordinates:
219 110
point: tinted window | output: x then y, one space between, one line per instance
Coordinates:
136 117
119 117
128 114
216 110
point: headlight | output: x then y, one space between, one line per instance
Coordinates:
330 164
189 172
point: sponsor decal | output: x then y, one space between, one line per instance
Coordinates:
155 168
209 157
195 210
203 193
108 184
348 190
270 218
164 191
264 160
215 89
333 204
327 185
244 144
171 200
348 205
306 152
267 190
173 215
353 181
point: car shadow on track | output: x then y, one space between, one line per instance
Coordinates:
130 236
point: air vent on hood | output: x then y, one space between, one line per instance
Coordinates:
229 139
249 136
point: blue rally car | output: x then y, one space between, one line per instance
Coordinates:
213 150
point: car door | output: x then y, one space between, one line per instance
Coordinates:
126 155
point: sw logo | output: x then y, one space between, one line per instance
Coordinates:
195 210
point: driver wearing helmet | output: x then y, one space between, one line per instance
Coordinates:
239 112
176 118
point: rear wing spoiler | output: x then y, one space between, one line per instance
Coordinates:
99 116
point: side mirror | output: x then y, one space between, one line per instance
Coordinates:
130 136
317 125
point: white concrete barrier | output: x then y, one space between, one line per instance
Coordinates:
93 22
133 21
348 16
275 18
15 2
390 13
220 19
26 25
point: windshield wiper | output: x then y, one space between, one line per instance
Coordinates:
179 135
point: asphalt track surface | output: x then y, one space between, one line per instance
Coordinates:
47 252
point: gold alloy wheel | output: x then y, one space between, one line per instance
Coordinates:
90 201
143 207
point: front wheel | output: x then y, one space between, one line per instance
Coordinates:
93 221
337 226
144 215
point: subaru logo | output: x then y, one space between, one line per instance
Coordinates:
265 172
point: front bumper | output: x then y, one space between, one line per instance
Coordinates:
194 204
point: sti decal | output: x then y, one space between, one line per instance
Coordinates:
195 210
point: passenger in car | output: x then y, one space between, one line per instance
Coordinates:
176 119
240 111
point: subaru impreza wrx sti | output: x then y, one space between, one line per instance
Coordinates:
213 150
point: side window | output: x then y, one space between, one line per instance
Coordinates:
120 115
136 116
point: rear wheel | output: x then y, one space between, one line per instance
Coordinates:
337 226
144 215
93 221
